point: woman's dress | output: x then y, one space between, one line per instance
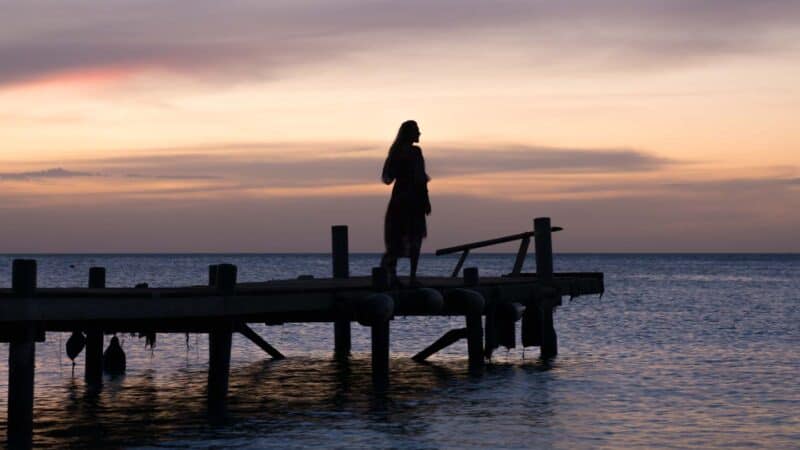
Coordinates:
404 225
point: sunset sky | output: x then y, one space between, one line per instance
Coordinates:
252 126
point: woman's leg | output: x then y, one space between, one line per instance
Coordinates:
416 247
389 262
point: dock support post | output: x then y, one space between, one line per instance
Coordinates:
474 322
549 348
21 361
219 363
219 343
544 272
93 369
341 269
475 339
380 353
376 311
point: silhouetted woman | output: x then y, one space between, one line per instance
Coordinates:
404 227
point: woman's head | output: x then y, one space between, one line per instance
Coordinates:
407 134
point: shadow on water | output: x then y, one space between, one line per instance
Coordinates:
266 398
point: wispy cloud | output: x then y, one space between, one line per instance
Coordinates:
259 40
45 174
273 165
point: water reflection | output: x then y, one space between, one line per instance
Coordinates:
265 397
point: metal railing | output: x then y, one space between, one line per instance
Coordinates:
524 238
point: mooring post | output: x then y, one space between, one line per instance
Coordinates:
219 342
341 269
93 368
376 311
544 273
21 361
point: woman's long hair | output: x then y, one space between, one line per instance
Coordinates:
404 137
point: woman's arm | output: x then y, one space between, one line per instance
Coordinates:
426 179
388 175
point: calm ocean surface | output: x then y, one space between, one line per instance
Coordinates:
681 351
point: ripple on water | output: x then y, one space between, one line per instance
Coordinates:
682 351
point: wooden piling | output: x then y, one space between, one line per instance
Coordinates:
341 269
543 243
376 311
93 368
380 353
219 343
474 322
507 316
21 361
544 271
475 339
490 338
549 347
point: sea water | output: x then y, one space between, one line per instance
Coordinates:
681 351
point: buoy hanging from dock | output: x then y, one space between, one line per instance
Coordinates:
75 345
114 358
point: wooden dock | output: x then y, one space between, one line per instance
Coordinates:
491 307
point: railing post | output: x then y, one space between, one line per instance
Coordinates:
21 361
93 368
543 242
339 250
341 269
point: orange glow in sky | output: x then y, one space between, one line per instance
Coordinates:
651 126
